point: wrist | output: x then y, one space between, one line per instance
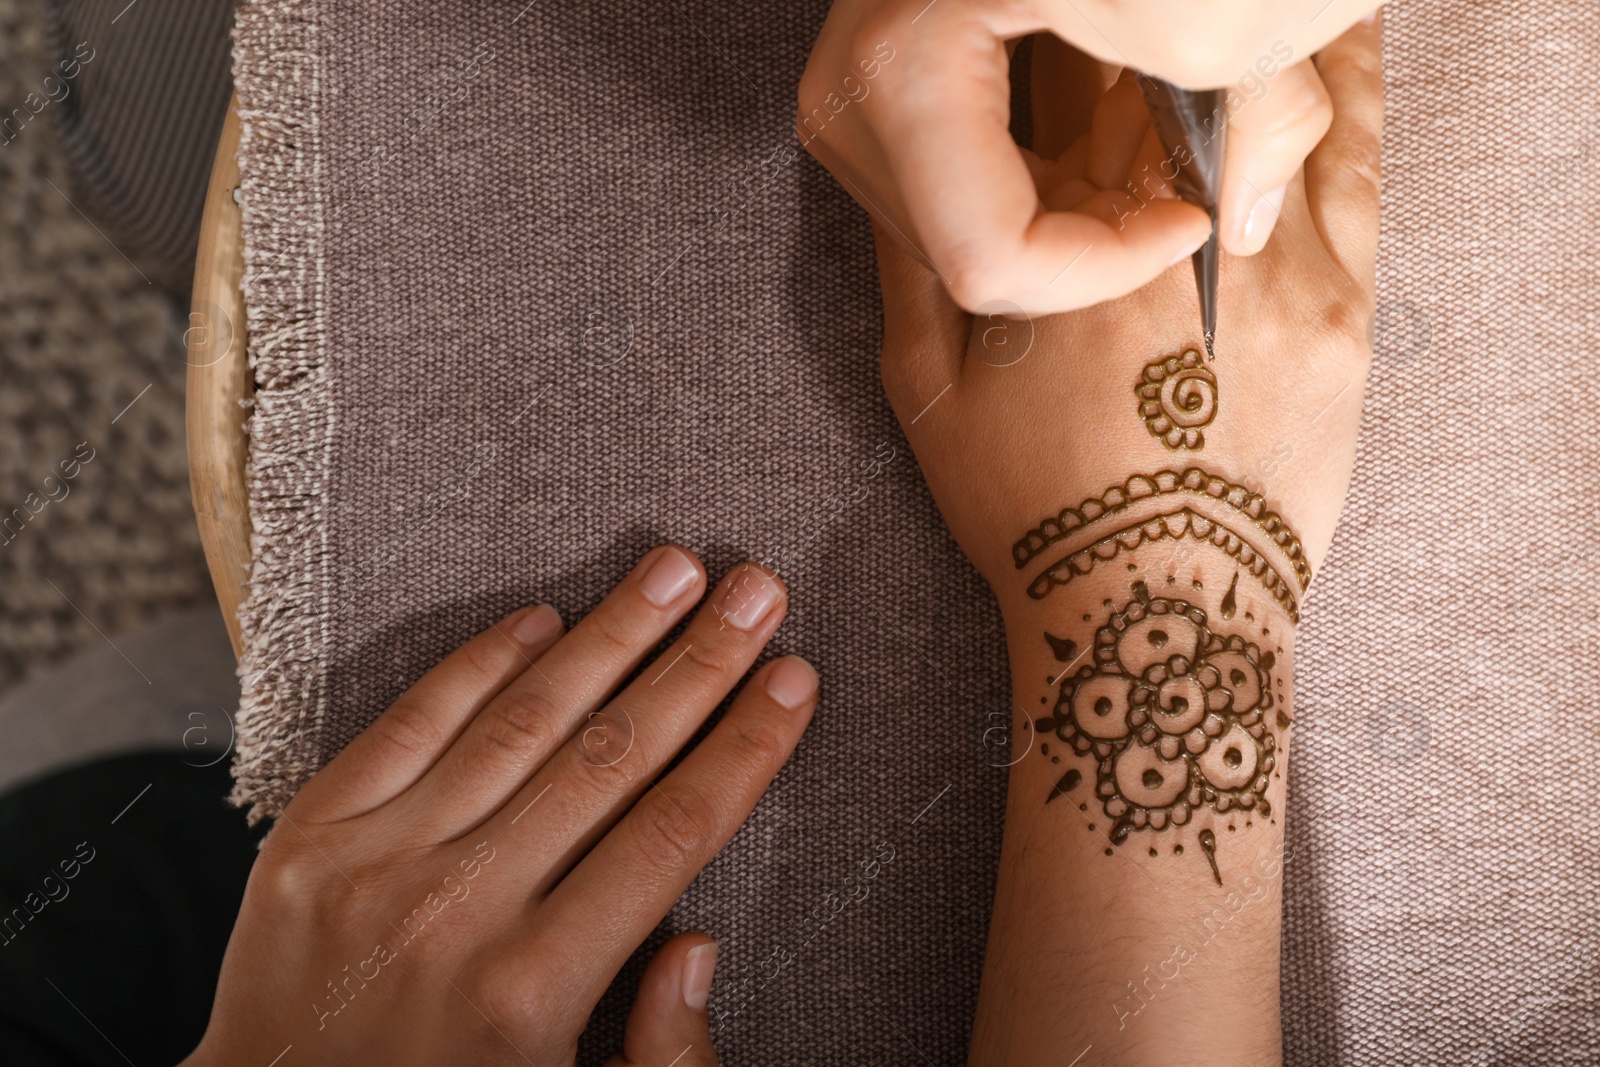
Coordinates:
1143 848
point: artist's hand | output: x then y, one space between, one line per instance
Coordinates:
464 880
1011 419
907 102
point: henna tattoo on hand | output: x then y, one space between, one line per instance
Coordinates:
1177 396
1178 705
1174 714
1208 845
1151 507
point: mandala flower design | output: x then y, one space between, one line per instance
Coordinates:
1173 712
1177 396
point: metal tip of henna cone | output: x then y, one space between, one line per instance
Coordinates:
1211 351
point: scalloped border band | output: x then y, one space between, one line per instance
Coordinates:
1140 511
1173 525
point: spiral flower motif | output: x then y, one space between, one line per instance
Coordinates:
1177 396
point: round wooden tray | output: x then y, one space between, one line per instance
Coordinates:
219 382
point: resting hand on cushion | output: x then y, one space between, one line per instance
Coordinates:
462 883
1149 522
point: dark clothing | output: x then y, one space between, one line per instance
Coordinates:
119 884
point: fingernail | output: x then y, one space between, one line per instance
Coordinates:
1370 17
1263 215
698 966
537 626
747 598
791 682
668 578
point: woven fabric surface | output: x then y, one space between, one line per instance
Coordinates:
1441 904
535 287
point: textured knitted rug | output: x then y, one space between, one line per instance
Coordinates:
559 266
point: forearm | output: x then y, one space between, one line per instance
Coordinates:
1137 913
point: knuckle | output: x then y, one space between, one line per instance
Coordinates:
1301 121
1346 320
1358 362
875 27
1318 121
810 124
1364 65
1350 324
971 281
1354 364
760 741
1296 107
603 769
281 878
513 996
1361 161
670 837
519 725
292 878
1309 98
407 729
613 629
481 659
718 658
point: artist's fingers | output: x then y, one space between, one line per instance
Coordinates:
1121 122
594 778
616 896
1065 85
401 744
668 1026
1278 122
1342 174
532 717
941 115
1200 45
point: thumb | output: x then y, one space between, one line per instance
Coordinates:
669 1024
1269 137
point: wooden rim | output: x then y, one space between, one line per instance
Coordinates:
220 383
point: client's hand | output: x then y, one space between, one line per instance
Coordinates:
464 880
